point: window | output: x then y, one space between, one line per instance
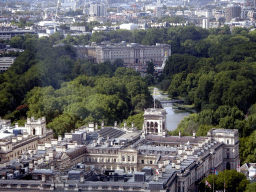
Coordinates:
129 158
151 162
142 161
123 158
227 141
132 158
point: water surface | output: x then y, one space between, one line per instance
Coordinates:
172 119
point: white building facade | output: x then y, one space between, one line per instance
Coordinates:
134 55
5 63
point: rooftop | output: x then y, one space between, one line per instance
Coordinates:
174 139
154 111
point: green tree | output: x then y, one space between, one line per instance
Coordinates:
187 125
234 181
203 130
149 79
178 63
16 42
63 124
55 38
150 68
205 84
175 89
137 119
251 187
108 108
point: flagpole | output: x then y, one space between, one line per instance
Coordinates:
154 97
224 184
213 182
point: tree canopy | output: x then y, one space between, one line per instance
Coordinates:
234 181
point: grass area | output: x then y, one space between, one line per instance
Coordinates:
179 108
176 106
137 111
164 93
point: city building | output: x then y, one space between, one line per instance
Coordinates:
97 9
233 11
98 12
9 34
205 23
249 170
5 63
15 141
134 55
129 26
155 122
123 158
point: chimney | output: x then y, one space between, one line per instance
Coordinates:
132 124
179 133
115 125
102 124
177 166
59 138
194 134
81 179
96 125
14 139
16 125
43 178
